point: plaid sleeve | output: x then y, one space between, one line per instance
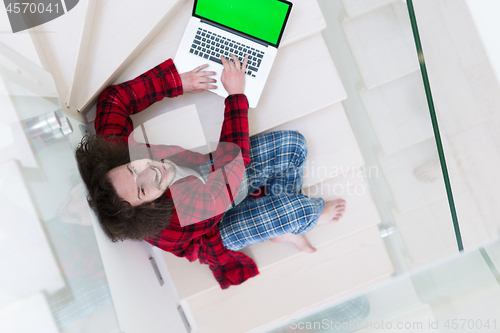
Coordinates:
228 267
235 126
203 241
195 203
118 102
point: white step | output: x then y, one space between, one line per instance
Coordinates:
407 190
382 44
386 301
81 68
184 128
18 42
463 287
332 147
119 33
428 231
398 112
463 81
296 285
478 159
57 43
96 36
305 20
190 278
417 320
301 82
465 90
393 299
23 78
282 100
361 213
359 7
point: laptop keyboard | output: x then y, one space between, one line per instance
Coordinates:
211 46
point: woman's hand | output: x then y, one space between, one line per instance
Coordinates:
233 75
197 81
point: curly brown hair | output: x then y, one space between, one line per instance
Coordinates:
96 156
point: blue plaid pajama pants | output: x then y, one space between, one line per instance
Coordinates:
277 162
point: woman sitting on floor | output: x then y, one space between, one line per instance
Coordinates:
186 202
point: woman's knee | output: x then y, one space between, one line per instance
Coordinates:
296 141
293 140
295 144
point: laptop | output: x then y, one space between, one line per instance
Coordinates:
240 27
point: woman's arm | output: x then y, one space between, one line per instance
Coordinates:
235 127
118 102
196 202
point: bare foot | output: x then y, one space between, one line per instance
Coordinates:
298 240
332 212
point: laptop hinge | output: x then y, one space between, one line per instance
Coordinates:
253 39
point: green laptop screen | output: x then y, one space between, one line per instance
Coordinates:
262 19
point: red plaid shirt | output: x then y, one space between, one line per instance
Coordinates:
200 240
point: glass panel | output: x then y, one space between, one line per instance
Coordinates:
460 294
372 46
460 45
60 284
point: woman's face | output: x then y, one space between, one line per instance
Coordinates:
142 181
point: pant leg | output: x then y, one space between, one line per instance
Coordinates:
257 220
277 162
